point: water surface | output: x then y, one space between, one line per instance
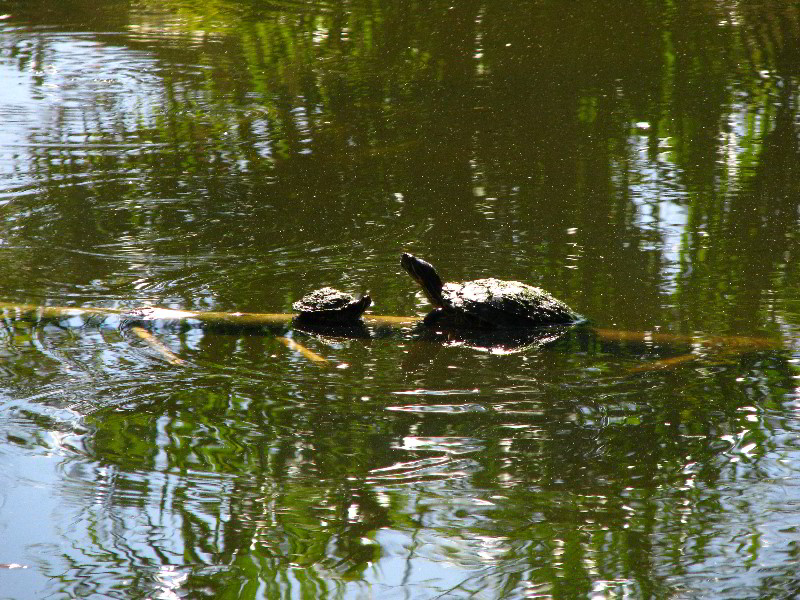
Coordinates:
640 161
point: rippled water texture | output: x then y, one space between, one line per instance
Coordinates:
639 160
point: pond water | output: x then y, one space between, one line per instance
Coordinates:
639 160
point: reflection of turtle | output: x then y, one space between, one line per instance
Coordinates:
505 340
487 302
330 306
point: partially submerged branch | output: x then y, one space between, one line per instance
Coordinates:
37 313
303 351
136 317
158 345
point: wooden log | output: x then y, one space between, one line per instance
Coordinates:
733 342
36 313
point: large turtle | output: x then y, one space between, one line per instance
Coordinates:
331 307
486 302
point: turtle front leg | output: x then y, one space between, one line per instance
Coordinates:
433 317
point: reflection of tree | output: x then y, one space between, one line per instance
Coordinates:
502 126
577 480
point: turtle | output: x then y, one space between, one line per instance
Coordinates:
330 306
486 303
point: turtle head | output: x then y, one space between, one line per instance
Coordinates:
425 275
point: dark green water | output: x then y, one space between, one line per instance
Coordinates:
638 159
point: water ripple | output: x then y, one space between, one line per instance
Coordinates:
439 408
426 469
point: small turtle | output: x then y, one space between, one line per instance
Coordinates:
486 302
330 306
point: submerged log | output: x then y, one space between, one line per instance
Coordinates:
158 345
733 342
297 347
33 312
36 313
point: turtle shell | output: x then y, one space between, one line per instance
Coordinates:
331 305
498 303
